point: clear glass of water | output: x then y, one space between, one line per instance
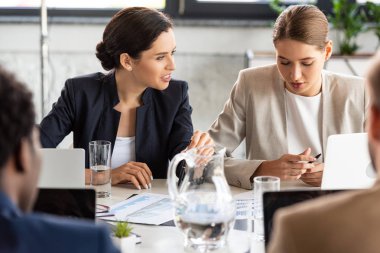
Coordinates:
262 184
100 165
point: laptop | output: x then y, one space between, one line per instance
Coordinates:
272 201
62 168
348 164
74 203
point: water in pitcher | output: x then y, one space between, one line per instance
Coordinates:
205 222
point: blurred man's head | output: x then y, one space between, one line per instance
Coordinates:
373 82
19 142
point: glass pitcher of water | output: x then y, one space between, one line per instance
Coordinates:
204 208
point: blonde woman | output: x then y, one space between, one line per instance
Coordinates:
287 110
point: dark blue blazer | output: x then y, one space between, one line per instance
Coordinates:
86 107
33 233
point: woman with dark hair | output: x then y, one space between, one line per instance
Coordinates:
286 111
136 106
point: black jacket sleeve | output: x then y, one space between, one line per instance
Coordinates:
59 122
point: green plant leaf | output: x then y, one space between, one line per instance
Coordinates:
348 18
277 6
123 229
372 15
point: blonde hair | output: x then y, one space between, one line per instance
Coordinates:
304 23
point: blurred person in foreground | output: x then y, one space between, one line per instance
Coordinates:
20 162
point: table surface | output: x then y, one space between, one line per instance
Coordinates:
171 239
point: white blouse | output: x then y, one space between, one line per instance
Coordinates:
304 123
123 151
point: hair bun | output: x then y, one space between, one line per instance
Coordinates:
104 57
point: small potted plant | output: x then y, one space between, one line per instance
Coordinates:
123 237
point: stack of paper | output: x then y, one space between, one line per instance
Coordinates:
146 208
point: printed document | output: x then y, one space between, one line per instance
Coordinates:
146 208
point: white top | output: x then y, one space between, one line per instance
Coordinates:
304 123
123 151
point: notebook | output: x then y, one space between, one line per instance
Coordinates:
348 164
74 203
62 168
272 201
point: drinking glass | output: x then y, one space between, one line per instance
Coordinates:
262 184
100 165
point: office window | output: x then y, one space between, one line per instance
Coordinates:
80 8
232 9
201 9
83 4
258 1
364 1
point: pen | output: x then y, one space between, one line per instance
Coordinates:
316 157
132 195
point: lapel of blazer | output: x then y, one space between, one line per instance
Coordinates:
109 120
269 108
280 114
326 112
144 121
332 118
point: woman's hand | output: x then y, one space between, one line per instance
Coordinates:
137 173
288 167
200 139
204 143
314 176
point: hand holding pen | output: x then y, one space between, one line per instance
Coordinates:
288 166
316 157
314 175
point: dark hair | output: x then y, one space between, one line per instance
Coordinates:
374 80
131 30
16 115
304 23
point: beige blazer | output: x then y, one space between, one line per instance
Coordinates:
256 112
344 223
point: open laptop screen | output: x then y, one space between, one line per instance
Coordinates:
77 203
272 201
348 164
62 168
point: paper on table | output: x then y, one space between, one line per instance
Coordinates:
244 213
146 208
132 204
244 208
135 203
244 205
155 214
